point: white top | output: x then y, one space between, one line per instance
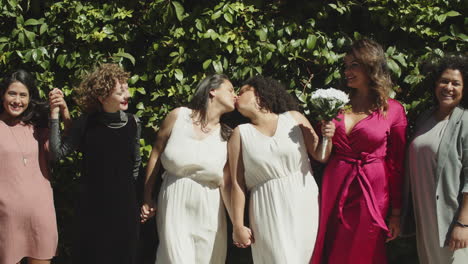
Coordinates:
201 160
281 155
191 222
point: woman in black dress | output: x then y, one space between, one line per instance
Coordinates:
106 213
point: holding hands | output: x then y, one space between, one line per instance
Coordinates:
393 227
242 236
148 210
57 103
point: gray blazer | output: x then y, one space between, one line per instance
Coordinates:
451 175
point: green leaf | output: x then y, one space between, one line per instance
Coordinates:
199 25
19 20
61 59
444 38
141 90
262 34
158 78
462 37
132 80
179 10
394 67
30 35
400 59
35 55
32 22
140 106
357 35
43 28
206 64
4 39
179 75
228 17
216 15
218 67
311 41
230 48
125 55
453 13
21 38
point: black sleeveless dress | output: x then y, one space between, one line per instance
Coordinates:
107 219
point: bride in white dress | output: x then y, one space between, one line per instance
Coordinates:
269 158
191 145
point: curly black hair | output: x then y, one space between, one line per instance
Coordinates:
272 95
37 112
434 71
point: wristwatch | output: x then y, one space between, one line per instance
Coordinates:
460 224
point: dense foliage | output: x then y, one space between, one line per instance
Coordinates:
168 46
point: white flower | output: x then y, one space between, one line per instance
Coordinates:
330 94
326 103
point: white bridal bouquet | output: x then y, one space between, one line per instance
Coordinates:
326 103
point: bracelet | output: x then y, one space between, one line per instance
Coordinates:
460 224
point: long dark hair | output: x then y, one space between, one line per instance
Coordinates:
199 102
272 95
37 112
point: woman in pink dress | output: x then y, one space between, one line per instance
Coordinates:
28 227
361 188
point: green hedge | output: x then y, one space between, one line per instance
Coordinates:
169 46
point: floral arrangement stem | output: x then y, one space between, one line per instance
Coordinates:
324 147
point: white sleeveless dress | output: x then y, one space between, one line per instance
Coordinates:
190 214
284 195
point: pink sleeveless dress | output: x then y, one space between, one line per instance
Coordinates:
28 225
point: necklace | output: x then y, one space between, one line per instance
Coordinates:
25 160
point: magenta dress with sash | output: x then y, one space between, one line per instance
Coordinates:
362 180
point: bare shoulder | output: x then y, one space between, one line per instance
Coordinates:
299 117
170 120
173 114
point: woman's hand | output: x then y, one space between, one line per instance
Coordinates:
148 210
458 238
56 102
242 237
328 129
393 227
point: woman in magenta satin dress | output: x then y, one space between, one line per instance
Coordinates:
361 188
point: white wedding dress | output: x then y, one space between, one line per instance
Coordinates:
190 213
284 195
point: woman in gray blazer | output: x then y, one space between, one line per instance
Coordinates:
437 169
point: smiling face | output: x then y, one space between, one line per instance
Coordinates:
117 100
225 95
15 100
449 89
355 74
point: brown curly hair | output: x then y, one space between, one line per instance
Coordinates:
371 56
100 83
